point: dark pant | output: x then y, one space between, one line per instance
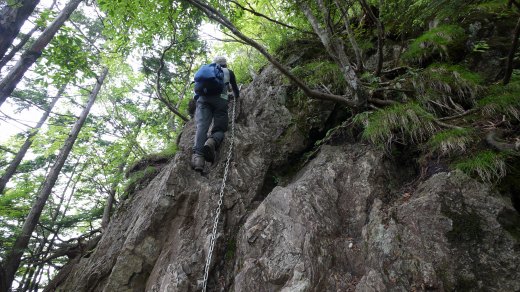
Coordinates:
208 109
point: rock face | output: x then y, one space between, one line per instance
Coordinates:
342 222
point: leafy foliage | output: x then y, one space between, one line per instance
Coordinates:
321 73
439 41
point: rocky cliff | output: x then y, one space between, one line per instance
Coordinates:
341 217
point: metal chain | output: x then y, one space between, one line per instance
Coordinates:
221 195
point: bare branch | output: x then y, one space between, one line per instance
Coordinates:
382 102
158 85
468 112
254 12
446 125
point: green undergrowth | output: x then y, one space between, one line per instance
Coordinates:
404 123
138 180
503 99
445 87
321 73
438 42
141 172
451 141
490 166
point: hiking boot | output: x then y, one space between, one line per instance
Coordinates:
197 162
209 149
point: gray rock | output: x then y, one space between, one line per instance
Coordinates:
339 223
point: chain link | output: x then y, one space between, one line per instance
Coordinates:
221 195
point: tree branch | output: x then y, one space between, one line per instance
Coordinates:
254 12
350 34
459 115
218 17
382 102
158 85
446 125
7 150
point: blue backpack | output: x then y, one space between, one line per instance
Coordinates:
209 80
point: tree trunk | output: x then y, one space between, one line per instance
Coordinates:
380 36
14 256
511 56
107 211
351 37
11 169
336 49
12 18
17 48
48 241
8 84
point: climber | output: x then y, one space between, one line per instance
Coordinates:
212 108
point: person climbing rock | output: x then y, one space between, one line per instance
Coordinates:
211 106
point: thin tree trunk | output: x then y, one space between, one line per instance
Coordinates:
8 84
11 169
380 36
48 242
12 18
217 16
17 48
336 49
107 211
14 256
351 37
23 41
186 82
511 57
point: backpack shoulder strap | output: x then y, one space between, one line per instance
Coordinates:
227 76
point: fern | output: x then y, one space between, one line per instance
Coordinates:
451 141
407 122
436 42
488 165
